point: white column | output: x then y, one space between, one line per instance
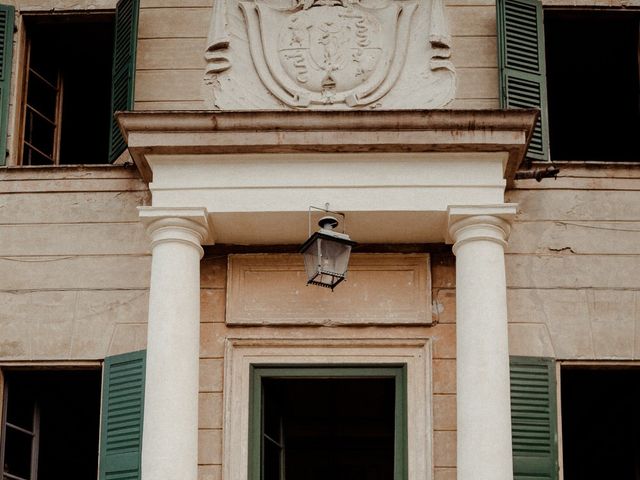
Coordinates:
483 404
170 430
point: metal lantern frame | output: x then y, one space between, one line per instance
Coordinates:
322 243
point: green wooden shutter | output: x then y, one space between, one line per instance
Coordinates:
6 49
122 407
533 418
522 66
123 70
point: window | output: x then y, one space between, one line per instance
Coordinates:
67 82
600 423
54 420
312 423
48 414
581 68
593 84
77 70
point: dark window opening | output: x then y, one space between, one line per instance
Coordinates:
67 89
601 424
593 84
50 425
329 428
314 423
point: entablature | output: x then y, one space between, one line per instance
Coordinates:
393 173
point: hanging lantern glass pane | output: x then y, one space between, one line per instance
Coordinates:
326 258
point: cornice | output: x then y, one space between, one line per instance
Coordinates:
218 132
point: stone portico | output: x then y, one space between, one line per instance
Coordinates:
399 177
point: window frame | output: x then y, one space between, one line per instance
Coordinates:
398 372
6 367
565 6
241 352
35 433
546 157
126 15
110 367
22 78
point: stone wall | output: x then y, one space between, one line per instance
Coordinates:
572 265
214 333
75 267
74 263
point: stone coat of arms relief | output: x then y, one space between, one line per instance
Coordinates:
328 54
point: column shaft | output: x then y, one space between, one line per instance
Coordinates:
483 389
170 430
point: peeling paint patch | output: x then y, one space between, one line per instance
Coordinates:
436 307
562 249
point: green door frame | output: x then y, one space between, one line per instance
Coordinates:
394 371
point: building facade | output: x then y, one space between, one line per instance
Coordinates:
163 161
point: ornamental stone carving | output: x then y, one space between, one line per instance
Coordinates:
328 54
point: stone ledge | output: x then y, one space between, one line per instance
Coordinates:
214 132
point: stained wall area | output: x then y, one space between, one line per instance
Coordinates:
75 263
74 282
75 260
572 265
214 334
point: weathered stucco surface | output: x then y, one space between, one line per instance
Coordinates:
74 262
75 267
214 333
572 265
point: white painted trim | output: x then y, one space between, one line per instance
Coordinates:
241 353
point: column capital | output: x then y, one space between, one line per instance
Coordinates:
481 222
186 225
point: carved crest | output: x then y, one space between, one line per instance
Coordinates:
329 54
328 51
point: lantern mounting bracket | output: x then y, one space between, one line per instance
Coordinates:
326 210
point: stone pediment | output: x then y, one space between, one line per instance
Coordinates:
328 55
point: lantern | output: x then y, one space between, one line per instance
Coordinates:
326 254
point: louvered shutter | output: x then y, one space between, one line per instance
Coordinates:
6 49
122 408
533 418
522 66
123 70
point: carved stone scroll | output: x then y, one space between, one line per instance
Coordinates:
216 54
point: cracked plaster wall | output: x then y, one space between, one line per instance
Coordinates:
74 262
572 265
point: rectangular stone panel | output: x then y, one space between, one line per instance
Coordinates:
381 289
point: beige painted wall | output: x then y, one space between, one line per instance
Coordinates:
214 333
573 265
74 266
74 263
